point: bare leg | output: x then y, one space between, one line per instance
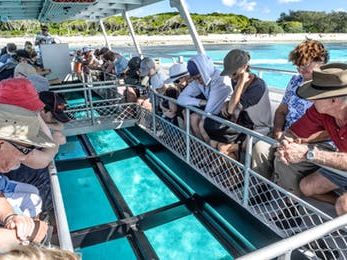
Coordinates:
130 95
194 123
341 205
203 133
318 187
8 239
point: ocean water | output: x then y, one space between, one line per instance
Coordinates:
268 55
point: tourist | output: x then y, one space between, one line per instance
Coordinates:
249 105
328 91
208 89
44 37
306 56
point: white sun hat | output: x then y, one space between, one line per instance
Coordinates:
176 71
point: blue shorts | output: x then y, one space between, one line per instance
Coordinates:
335 178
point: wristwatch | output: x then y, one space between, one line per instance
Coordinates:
310 153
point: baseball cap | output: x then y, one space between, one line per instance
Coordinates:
22 126
234 60
39 82
20 92
55 104
146 65
157 81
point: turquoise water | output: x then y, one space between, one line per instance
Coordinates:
262 55
185 238
107 141
71 150
115 249
85 202
139 185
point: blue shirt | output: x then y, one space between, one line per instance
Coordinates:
296 105
120 65
6 186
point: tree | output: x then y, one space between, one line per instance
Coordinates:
292 27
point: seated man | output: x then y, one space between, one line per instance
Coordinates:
10 51
20 92
249 105
328 91
20 135
207 88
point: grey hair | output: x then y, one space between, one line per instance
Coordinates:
343 99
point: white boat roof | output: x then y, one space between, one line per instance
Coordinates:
61 10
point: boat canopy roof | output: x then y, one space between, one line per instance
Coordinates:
61 10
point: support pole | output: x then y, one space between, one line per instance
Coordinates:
132 32
182 8
105 34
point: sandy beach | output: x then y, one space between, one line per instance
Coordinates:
162 40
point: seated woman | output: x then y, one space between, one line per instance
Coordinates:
178 80
306 56
249 105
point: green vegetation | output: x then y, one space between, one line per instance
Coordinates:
172 23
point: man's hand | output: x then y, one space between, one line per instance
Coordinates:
278 135
24 226
291 152
224 110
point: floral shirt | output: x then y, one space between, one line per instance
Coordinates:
296 105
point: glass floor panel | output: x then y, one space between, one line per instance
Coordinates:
107 141
185 238
85 202
115 249
71 150
139 185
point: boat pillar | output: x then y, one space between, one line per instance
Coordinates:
132 32
105 34
182 8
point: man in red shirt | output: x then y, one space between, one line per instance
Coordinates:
328 91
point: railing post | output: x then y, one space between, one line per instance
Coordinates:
187 135
246 172
154 100
182 8
132 32
59 210
105 34
90 96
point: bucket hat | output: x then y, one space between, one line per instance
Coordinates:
22 126
328 81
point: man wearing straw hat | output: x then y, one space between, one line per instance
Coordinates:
328 91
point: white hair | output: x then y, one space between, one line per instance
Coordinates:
343 99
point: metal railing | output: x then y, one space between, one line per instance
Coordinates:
59 211
283 212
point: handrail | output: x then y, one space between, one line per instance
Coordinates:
289 244
59 210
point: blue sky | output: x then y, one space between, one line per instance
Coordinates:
261 9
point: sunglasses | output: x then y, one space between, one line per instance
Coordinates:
23 149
